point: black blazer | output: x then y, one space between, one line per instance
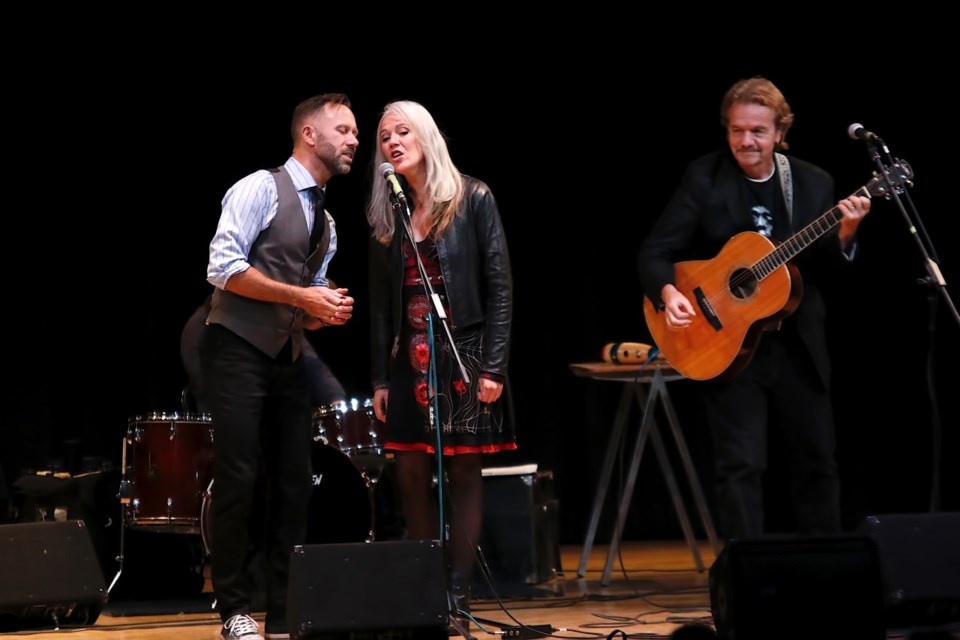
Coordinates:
710 206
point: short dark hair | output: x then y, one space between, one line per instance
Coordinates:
312 105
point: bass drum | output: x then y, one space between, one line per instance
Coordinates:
341 507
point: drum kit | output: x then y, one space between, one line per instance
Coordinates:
167 483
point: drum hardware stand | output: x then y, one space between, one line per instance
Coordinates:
135 513
124 496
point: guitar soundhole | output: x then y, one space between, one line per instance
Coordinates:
743 283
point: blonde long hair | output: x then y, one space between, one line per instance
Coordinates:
444 183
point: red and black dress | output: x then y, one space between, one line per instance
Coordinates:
466 425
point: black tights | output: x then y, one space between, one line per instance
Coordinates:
415 472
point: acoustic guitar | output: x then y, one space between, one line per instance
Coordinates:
747 286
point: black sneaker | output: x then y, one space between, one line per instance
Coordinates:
240 627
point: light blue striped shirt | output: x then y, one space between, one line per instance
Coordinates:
249 207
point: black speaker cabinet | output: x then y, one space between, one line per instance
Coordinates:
519 537
359 589
920 563
51 576
802 587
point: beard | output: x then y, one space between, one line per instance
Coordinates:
336 163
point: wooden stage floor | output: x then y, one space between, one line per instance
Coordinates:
653 590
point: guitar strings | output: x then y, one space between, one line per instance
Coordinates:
781 255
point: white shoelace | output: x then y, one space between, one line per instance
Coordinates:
242 625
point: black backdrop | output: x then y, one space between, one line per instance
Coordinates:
581 160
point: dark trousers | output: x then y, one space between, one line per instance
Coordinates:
778 389
262 421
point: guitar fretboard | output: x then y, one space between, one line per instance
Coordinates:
786 251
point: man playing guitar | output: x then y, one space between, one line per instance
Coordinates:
738 199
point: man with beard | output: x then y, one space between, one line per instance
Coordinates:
268 264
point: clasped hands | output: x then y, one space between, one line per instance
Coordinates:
326 306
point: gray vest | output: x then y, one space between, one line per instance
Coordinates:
281 252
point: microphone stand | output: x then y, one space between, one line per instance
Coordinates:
402 211
935 283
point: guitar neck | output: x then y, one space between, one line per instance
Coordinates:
788 250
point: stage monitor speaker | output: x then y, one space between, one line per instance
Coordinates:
798 587
920 564
356 589
51 576
519 538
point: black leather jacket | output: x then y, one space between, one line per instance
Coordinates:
476 272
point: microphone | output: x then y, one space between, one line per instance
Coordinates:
386 170
857 132
626 352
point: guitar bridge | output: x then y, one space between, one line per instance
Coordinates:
707 310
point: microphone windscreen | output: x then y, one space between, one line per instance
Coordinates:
386 169
853 129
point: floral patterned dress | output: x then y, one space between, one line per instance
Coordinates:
466 424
